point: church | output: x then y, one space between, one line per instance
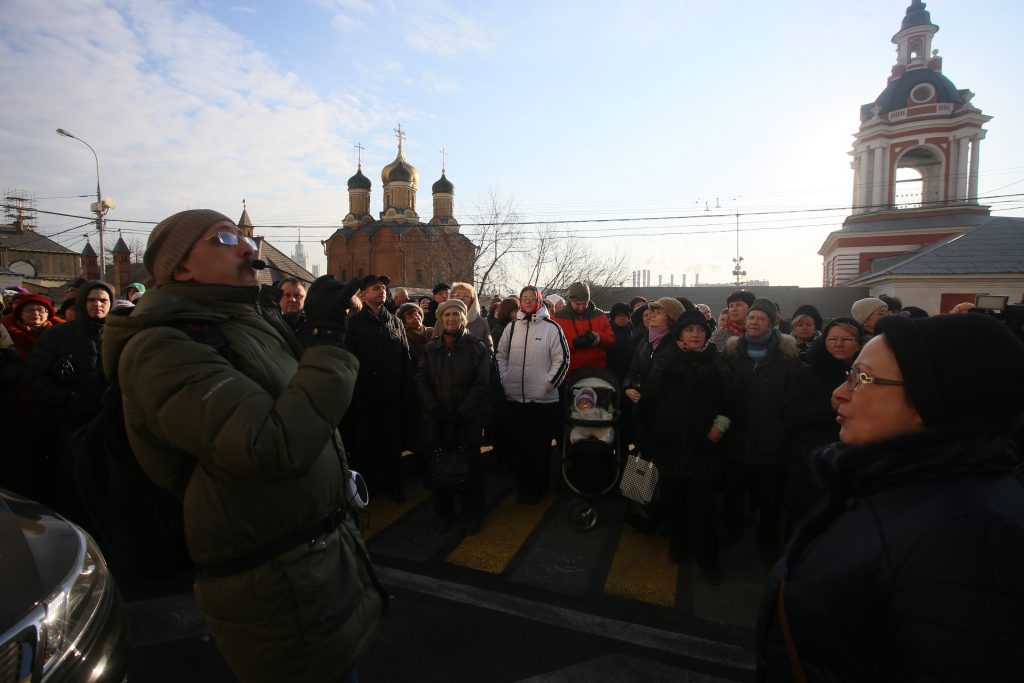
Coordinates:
398 243
917 230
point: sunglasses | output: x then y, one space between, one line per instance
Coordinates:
231 239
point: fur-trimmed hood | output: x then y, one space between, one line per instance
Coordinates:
785 343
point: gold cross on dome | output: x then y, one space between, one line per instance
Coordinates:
444 157
400 134
359 154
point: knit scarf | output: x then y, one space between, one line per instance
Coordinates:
655 334
735 329
757 348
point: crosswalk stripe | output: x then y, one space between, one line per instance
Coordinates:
384 512
640 569
503 533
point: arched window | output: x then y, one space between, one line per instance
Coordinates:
344 273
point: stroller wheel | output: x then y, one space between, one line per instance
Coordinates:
583 515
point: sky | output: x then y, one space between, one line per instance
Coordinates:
591 116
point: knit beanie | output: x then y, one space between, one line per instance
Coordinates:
741 295
958 368
843 320
863 308
688 318
585 393
554 299
405 308
768 308
619 309
578 290
137 286
810 311
673 309
452 303
173 238
635 301
26 299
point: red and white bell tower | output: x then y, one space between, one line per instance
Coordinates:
915 160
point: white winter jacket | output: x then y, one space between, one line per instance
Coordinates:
533 358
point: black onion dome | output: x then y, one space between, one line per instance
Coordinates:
917 15
359 181
443 185
401 172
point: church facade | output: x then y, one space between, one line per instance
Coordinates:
398 243
917 230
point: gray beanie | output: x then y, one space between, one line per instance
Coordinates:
452 303
578 290
862 309
173 238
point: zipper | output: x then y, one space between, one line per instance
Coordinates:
526 340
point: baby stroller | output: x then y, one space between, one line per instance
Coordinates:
591 462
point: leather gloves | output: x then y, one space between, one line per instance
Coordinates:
327 304
586 340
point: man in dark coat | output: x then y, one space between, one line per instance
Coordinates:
292 303
65 376
765 365
441 290
374 437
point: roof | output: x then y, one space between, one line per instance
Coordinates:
897 92
906 219
359 181
121 247
397 227
276 258
442 185
29 240
995 247
916 15
87 250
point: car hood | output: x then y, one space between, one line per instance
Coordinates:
37 551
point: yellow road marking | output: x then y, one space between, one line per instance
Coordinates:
641 569
501 536
384 512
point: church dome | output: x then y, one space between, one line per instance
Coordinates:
359 181
896 94
400 170
442 186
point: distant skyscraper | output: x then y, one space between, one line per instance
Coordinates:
316 270
299 255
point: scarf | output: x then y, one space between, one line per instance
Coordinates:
655 334
735 329
757 348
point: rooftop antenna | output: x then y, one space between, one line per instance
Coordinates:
737 269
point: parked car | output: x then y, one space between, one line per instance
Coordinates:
61 615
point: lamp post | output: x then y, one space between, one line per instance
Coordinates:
100 209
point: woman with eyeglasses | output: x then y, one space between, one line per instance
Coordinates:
913 567
810 411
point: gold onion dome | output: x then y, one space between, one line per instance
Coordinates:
401 170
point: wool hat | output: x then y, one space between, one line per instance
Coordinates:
810 311
26 299
441 287
863 308
452 303
767 307
693 317
173 238
635 301
137 286
619 309
958 368
673 309
584 393
554 299
405 308
849 322
578 290
373 279
741 295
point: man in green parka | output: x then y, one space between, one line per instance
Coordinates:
244 428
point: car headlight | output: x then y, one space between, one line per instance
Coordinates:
71 608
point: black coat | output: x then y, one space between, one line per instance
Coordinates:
913 570
452 385
63 372
680 398
385 366
621 355
808 412
758 434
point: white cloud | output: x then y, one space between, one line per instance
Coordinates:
445 32
181 110
343 22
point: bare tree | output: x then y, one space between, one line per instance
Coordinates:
497 242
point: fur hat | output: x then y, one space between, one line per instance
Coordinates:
172 239
578 290
441 287
673 309
452 303
809 311
863 308
767 307
958 368
741 295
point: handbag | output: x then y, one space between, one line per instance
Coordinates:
449 468
639 479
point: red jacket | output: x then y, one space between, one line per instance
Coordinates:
575 324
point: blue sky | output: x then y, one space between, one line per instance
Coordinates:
578 110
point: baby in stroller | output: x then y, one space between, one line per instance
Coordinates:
585 408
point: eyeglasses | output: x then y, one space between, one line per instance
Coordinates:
840 341
296 296
231 239
855 379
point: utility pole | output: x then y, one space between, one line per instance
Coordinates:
101 206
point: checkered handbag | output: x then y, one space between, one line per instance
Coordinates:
639 479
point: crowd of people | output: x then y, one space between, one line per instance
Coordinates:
898 426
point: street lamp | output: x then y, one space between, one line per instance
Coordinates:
101 205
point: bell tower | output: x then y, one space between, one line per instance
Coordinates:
915 159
